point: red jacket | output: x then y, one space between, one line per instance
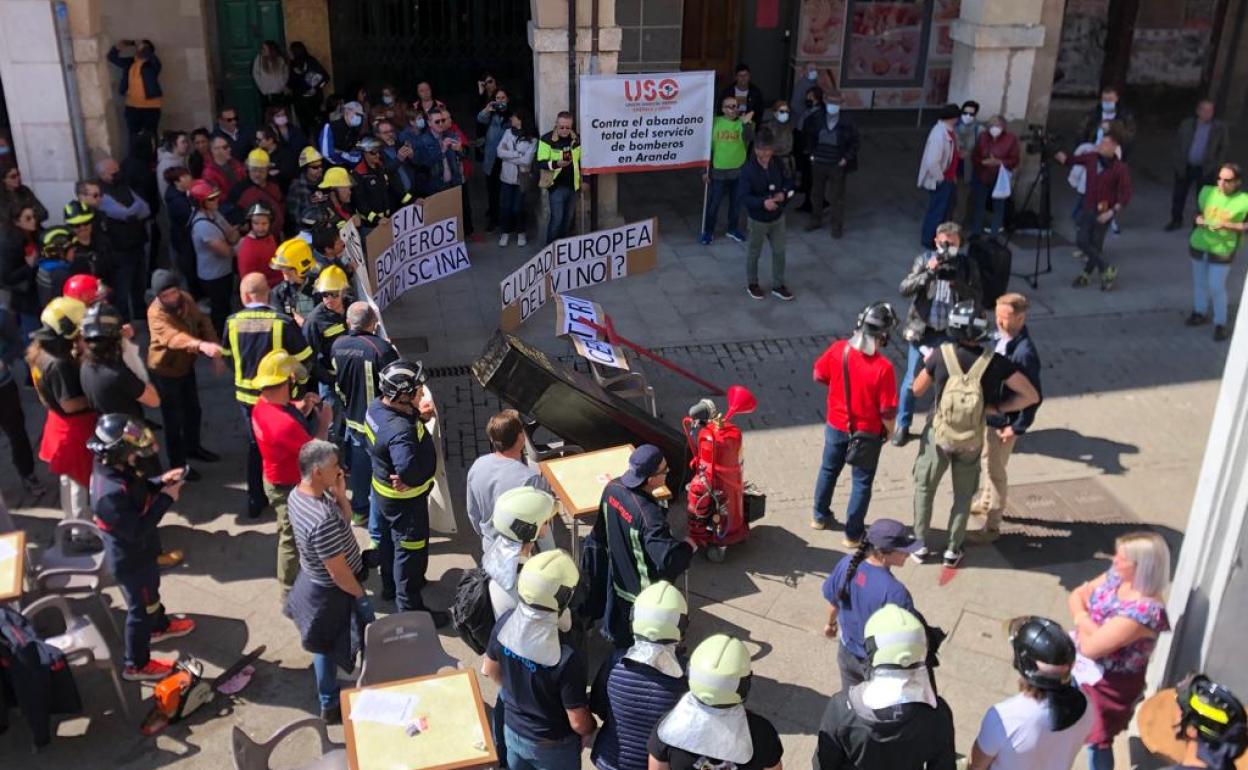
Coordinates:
254 256
224 179
1004 148
1110 186
246 193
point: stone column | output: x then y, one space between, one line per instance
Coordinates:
95 83
548 37
994 53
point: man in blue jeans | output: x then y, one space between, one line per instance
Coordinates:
938 279
559 153
866 402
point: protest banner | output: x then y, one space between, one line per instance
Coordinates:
576 262
645 122
422 243
570 316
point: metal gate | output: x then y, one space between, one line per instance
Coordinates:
447 42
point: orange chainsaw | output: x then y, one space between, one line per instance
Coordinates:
183 692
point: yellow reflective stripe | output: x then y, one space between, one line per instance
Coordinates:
152 609
406 198
238 359
385 490
412 545
333 330
359 427
1209 712
368 382
246 398
420 431
368 434
301 355
277 336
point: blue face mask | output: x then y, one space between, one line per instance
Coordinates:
419 123
354 120
1109 106
812 76
832 109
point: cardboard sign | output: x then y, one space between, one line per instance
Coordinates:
570 316
645 122
420 244
575 263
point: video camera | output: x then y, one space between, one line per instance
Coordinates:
1039 140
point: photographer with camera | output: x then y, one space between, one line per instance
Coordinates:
939 279
1108 192
492 123
764 187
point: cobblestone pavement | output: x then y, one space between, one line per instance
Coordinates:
1129 395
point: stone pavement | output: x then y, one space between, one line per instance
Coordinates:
1129 393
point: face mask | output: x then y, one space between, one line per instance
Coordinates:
280 120
995 131
967 119
419 123
812 76
782 117
1108 106
832 109
354 120
387 99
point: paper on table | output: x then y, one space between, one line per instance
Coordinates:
7 551
386 708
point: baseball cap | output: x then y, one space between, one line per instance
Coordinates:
643 463
891 535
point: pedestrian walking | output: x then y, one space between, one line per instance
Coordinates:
862 405
969 382
938 171
859 585
831 146
1002 430
764 188
1108 193
1220 227
731 133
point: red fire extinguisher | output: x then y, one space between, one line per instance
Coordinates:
716 492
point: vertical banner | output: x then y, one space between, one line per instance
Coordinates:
645 122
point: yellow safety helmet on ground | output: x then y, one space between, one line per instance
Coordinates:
63 317
276 368
294 254
258 158
719 671
309 155
519 513
548 580
336 177
895 638
660 613
332 278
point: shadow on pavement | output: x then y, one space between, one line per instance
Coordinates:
1064 444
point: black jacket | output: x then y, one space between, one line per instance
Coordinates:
378 192
920 283
149 71
1022 353
756 184
127 509
753 101
15 275
34 677
913 736
847 141
1123 116
637 527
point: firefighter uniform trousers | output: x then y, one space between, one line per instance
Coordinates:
400 445
250 334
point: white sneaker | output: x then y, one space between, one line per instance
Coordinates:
504 239
920 555
521 240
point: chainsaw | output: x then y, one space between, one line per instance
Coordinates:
183 692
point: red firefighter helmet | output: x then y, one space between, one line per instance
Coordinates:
87 289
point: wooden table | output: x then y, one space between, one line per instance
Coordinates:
578 480
12 565
458 734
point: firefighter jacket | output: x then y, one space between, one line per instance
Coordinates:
253 332
294 299
320 327
358 359
639 542
399 445
378 193
127 509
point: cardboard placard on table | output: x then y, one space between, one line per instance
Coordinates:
457 737
575 263
570 314
578 480
12 565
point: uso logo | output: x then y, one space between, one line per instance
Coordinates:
651 90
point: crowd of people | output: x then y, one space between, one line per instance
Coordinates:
244 265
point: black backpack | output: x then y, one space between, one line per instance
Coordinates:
472 614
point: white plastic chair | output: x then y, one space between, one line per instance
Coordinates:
82 643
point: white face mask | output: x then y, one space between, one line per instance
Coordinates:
354 120
967 119
280 120
1109 107
419 123
387 99
812 76
782 117
832 109
995 131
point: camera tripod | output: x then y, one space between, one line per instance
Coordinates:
1044 223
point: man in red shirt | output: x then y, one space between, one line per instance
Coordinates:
872 392
282 426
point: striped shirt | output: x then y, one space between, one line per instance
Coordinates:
321 533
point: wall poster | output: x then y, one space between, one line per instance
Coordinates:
886 43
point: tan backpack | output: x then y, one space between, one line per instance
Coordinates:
958 424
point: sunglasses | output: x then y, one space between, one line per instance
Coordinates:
231 119
1228 179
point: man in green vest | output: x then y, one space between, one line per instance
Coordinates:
730 135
